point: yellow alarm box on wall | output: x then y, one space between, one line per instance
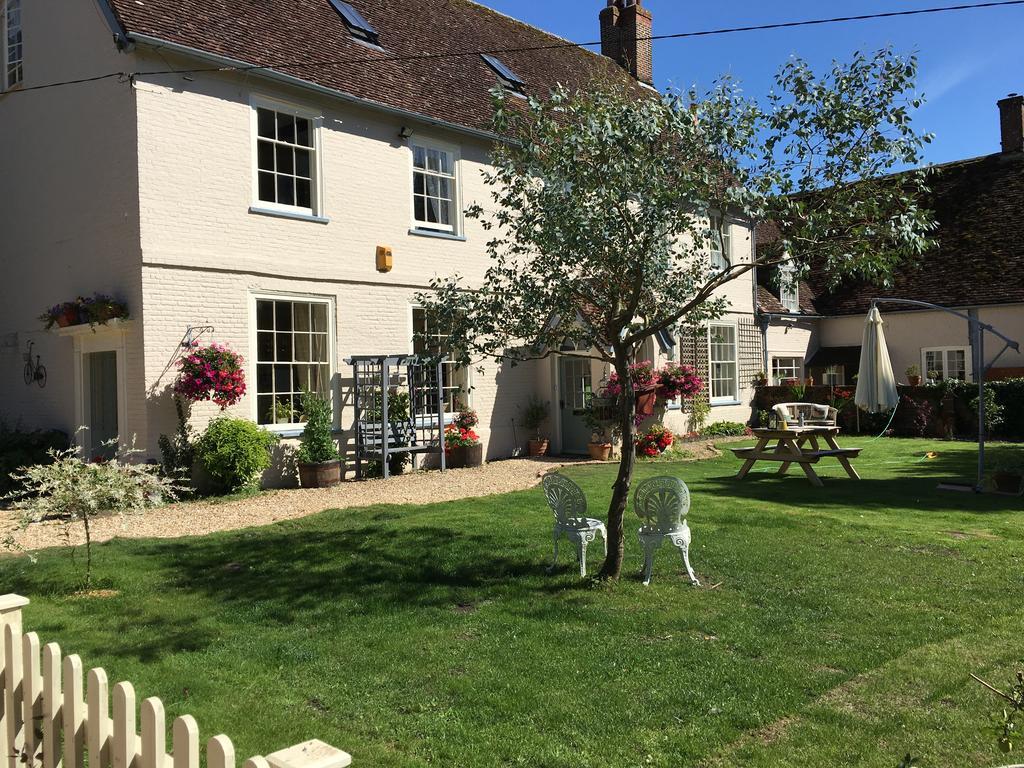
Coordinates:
384 258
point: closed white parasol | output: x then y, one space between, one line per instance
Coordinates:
876 385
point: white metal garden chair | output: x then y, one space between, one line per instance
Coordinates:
662 503
569 505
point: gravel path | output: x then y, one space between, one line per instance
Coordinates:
202 517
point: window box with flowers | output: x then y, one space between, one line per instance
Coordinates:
98 309
462 447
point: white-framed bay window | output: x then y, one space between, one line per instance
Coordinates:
943 363
287 168
293 350
786 368
723 358
12 56
435 187
428 340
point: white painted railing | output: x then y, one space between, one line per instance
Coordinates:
46 723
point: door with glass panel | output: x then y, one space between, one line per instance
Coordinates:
575 383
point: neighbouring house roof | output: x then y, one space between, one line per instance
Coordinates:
452 90
979 258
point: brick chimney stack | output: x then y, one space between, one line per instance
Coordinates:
626 28
1011 123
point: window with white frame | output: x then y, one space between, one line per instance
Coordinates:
786 368
429 341
789 291
434 188
940 363
293 349
13 55
834 376
286 162
720 252
724 385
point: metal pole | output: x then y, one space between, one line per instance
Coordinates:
384 426
440 414
979 356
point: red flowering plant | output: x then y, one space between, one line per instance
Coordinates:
211 373
644 377
459 437
677 380
656 440
466 418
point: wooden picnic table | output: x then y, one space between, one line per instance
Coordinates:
797 445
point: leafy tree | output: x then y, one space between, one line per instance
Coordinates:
608 204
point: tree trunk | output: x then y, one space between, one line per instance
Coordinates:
627 460
88 552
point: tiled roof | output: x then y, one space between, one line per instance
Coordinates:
452 90
979 260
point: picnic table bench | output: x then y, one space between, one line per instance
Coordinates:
789 448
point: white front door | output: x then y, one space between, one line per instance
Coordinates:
574 391
100 391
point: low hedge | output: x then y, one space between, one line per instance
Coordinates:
941 410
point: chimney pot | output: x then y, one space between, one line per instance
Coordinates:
1011 123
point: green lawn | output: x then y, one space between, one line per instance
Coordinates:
845 625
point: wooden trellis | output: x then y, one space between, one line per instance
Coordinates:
378 380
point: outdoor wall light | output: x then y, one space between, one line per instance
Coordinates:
405 133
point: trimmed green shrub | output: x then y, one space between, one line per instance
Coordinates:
26 449
234 452
724 429
317 443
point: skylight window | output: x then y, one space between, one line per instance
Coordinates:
357 24
506 76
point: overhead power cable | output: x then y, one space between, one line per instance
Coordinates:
294 64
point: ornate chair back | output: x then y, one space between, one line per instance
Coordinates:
662 503
566 499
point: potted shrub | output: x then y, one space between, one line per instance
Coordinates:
462 447
534 416
914 376
1008 473
600 420
317 458
760 379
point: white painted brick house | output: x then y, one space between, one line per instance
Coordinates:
210 195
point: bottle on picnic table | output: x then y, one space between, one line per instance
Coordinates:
801 420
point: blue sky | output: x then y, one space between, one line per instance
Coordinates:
968 59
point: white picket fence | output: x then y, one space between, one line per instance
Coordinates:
49 720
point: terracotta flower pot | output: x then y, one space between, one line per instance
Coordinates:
464 456
645 402
538 447
322 475
68 317
599 451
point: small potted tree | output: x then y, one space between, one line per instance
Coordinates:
914 376
319 466
602 431
1008 473
534 416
